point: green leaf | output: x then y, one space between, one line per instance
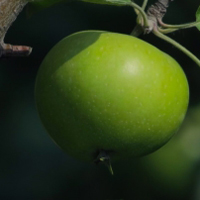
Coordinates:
36 5
111 2
198 17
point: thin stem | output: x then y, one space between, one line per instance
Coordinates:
179 26
103 157
144 4
174 28
168 30
177 45
141 12
106 161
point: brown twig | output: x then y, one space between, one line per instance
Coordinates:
158 9
9 10
156 12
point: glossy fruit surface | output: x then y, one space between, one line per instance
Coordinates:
98 91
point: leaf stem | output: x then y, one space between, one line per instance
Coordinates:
140 11
168 30
177 45
144 4
179 26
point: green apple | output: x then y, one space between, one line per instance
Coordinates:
101 92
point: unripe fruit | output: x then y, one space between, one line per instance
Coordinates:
106 92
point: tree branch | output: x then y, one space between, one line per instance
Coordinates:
156 12
9 10
153 17
158 9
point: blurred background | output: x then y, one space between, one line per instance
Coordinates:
32 167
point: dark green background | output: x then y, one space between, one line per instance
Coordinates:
32 167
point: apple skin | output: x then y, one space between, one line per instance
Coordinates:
98 90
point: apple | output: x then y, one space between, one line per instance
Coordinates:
102 93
